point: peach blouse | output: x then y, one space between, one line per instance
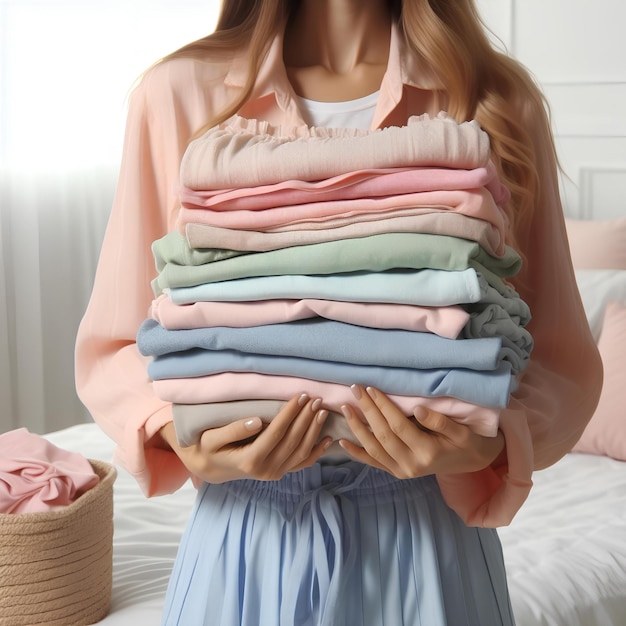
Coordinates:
176 98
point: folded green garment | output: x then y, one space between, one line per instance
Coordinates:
182 266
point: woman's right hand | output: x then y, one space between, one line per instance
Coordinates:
248 449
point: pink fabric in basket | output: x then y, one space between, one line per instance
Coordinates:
37 476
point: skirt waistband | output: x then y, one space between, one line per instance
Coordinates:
351 480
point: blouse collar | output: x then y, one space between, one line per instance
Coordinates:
404 68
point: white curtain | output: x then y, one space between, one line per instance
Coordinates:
65 72
66 68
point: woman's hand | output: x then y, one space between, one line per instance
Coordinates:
434 444
247 449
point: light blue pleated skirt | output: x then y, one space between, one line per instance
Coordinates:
344 545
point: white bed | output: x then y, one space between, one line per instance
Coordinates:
565 551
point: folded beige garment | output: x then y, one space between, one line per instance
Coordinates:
433 221
245 153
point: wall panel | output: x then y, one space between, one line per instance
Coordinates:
577 52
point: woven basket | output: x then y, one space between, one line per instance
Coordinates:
56 566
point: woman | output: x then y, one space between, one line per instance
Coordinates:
399 536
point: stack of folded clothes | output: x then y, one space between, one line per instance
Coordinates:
309 259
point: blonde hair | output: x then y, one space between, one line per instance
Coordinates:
481 82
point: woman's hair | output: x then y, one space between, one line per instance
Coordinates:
480 82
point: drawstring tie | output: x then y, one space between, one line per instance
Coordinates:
330 521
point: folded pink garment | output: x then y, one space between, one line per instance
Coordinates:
478 203
443 321
326 222
244 386
36 475
350 186
432 223
245 153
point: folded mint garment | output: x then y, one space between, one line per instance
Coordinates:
423 287
180 266
327 340
173 248
487 388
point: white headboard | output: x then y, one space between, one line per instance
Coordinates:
577 51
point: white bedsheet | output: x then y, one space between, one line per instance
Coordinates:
565 551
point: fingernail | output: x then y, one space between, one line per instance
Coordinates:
345 409
321 416
303 399
253 424
328 443
356 391
420 413
371 392
316 404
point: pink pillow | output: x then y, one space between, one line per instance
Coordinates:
598 244
606 432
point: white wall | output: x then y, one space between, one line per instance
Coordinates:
577 51
66 67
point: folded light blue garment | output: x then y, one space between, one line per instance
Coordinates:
487 388
328 340
423 287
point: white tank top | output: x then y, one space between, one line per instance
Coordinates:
357 113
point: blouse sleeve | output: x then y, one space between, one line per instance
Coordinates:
111 375
561 386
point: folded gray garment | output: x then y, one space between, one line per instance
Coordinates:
191 420
492 320
245 153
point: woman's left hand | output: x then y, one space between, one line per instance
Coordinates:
433 444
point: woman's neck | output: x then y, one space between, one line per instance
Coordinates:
337 49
